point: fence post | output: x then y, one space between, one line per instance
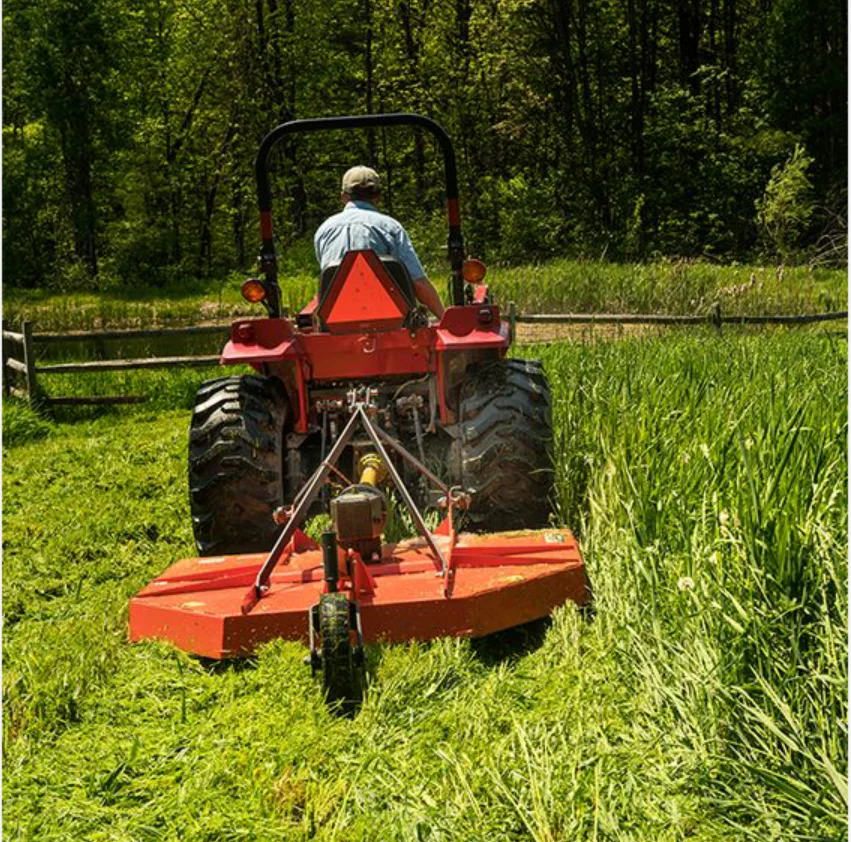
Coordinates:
7 386
716 316
512 321
29 360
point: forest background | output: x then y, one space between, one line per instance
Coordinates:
621 129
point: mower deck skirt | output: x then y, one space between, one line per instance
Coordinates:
500 580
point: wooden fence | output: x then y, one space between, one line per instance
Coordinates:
20 370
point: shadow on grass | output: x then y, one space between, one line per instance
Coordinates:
229 666
511 644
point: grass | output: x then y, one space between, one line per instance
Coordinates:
162 388
22 423
676 287
206 300
558 286
706 700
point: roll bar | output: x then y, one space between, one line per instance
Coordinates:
268 260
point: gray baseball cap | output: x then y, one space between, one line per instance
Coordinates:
361 178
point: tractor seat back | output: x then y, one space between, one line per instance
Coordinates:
365 291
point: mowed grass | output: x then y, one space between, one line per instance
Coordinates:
558 286
705 700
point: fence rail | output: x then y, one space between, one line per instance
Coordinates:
20 369
661 319
134 333
126 365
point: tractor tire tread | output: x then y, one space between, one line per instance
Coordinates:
236 463
503 449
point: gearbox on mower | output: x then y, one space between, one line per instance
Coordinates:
357 392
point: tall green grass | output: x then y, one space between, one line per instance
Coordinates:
710 479
196 301
677 287
553 287
22 423
705 700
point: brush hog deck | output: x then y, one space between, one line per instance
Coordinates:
499 581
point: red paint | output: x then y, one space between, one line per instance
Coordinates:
266 225
368 352
453 212
304 357
258 337
491 336
500 581
301 378
480 293
310 309
441 390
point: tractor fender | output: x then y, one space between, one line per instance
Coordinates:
261 341
472 327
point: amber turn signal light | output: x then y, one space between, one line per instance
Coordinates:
253 291
473 270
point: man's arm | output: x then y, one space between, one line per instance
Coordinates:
427 294
423 288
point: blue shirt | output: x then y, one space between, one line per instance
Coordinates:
361 226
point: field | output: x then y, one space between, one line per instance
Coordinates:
706 699
560 286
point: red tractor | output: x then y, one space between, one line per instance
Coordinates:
358 392
445 391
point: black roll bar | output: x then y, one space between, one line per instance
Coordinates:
268 260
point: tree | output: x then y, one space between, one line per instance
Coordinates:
786 208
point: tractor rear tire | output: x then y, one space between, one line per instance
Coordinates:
236 458
503 451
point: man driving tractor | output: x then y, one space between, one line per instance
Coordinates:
361 225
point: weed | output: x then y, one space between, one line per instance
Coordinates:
22 423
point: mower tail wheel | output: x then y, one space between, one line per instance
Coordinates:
341 663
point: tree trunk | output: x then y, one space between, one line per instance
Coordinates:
413 56
79 191
77 156
369 70
206 239
730 57
689 17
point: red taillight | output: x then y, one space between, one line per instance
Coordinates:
253 291
473 270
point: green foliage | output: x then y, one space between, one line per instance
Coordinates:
786 209
705 700
130 129
22 423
